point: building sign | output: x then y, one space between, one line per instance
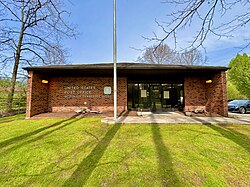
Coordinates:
107 90
77 92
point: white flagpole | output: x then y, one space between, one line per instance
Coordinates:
115 60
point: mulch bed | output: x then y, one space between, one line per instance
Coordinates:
79 115
205 114
106 114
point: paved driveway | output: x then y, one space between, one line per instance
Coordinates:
241 117
176 118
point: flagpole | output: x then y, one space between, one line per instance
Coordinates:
115 61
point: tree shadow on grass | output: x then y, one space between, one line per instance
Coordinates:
165 165
88 164
238 138
10 120
27 135
54 167
13 148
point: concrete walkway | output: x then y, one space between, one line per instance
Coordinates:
176 118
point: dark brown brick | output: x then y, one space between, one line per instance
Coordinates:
213 97
64 94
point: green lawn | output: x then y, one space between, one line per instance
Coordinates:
77 152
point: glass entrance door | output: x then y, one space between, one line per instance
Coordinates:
155 96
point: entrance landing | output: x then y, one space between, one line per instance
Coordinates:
174 118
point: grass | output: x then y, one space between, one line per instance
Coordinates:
12 118
85 152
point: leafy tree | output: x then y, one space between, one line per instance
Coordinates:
239 74
19 99
233 93
162 54
28 31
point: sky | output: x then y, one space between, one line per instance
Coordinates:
135 20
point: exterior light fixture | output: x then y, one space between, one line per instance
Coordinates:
45 81
209 81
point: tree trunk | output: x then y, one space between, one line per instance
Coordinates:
13 83
15 68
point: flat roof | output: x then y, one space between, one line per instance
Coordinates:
125 66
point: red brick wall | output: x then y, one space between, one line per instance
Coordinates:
212 97
37 95
194 93
28 96
216 95
70 93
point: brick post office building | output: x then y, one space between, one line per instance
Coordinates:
65 88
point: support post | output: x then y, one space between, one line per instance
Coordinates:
115 61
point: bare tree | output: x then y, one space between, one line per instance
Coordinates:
162 54
55 54
28 30
213 17
190 57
